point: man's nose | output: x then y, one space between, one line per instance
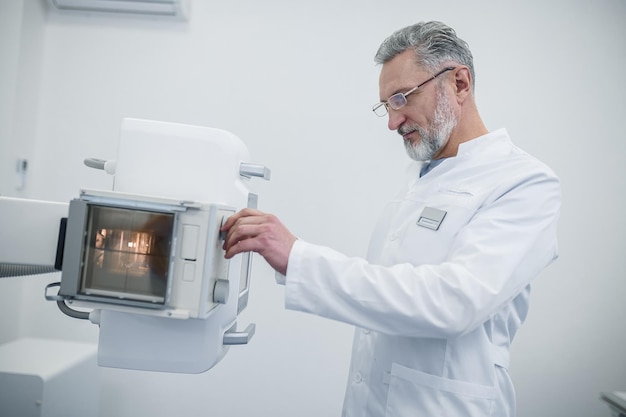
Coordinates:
396 119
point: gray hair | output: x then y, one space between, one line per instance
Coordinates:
434 44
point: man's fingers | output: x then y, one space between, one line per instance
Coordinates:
243 230
238 247
251 230
245 213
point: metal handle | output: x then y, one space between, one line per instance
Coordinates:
103 164
254 170
240 338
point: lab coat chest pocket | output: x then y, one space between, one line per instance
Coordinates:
415 393
419 242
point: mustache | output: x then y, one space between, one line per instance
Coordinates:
407 129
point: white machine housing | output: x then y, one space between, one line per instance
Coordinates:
146 258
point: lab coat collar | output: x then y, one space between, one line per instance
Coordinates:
478 144
481 144
487 142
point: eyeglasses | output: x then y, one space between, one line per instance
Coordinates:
398 100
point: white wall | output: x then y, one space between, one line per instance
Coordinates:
22 24
296 83
10 25
21 42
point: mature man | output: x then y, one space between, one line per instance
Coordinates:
446 281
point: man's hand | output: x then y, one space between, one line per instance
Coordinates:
253 230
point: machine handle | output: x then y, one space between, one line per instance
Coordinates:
96 163
254 170
240 338
53 297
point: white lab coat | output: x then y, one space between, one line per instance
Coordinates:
436 310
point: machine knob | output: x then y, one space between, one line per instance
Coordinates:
220 291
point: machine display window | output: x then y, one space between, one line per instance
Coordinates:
127 253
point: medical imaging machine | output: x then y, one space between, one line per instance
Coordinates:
144 261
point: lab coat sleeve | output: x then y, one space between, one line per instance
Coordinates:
508 241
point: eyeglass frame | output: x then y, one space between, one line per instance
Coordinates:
386 103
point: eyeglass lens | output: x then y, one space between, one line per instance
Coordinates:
397 101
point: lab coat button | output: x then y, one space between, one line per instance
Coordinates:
366 331
358 378
394 236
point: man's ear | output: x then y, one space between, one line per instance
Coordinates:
462 83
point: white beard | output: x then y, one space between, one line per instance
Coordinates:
436 135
